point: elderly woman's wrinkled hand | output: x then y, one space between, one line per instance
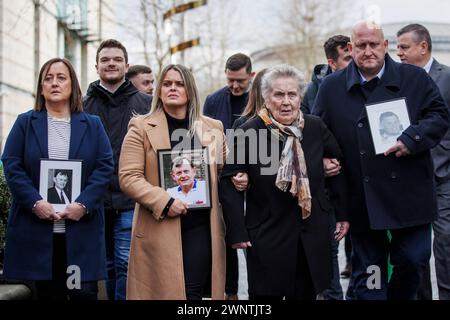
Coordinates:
332 167
240 181
341 230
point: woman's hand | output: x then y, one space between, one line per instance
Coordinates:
241 245
341 230
331 167
240 181
73 211
177 208
45 211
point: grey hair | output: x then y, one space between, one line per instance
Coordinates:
281 71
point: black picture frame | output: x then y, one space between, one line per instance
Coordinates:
197 180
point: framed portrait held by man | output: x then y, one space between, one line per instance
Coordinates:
184 174
387 120
60 182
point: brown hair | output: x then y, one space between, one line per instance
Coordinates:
255 98
112 43
76 97
133 71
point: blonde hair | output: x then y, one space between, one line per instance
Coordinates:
193 104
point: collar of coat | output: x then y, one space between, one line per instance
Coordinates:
77 130
390 78
205 130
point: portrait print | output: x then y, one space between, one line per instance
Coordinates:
387 122
185 176
60 182
60 186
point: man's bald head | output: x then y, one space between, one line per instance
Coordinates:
366 26
368 48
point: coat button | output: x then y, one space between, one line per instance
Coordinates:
360 124
393 175
362 152
366 179
417 138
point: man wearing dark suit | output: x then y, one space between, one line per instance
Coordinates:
414 47
58 194
392 191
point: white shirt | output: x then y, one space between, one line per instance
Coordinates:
427 67
197 195
379 75
66 200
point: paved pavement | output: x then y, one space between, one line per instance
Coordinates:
243 295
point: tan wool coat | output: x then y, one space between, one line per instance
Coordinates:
155 267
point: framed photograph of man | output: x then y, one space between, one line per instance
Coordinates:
185 175
60 182
387 120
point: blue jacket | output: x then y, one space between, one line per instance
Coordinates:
217 106
29 240
386 192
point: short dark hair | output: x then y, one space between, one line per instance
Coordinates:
238 61
112 43
76 97
133 71
420 33
61 172
332 44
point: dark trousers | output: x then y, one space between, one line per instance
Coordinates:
56 289
334 292
232 273
197 258
304 287
409 249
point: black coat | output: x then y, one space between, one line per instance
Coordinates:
387 192
273 221
115 110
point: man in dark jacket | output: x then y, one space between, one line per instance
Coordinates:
226 105
414 47
338 57
115 100
392 191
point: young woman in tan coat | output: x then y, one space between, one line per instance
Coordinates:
175 252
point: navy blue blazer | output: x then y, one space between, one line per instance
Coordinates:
28 252
386 192
218 106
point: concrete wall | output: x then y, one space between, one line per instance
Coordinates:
18 68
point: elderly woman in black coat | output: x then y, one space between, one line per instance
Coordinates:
286 225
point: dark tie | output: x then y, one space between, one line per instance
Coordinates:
62 198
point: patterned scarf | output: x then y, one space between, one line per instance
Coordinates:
292 168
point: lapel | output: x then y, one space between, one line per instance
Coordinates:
158 131
435 71
387 88
40 125
77 132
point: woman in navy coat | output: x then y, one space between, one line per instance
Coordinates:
41 244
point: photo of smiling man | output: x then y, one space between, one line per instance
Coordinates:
188 189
